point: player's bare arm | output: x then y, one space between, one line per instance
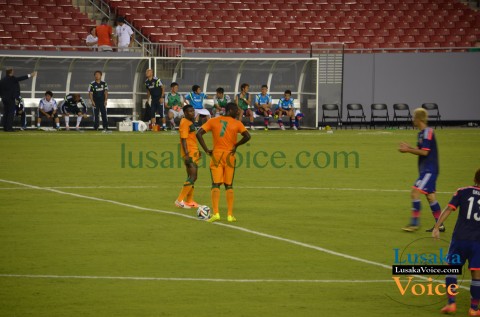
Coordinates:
201 140
90 95
185 150
436 229
246 137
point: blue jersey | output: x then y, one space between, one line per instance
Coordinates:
263 100
196 100
468 221
426 141
155 87
286 104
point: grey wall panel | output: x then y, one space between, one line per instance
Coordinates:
452 80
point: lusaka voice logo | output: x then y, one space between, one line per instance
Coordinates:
419 270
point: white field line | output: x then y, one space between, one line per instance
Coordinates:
81 187
187 279
245 187
257 233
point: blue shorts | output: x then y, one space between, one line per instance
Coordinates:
465 250
156 107
426 183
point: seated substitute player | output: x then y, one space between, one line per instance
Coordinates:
219 102
222 165
70 107
243 101
263 105
428 168
191 155
173 104
465 241
155 92
195 98
20 111
286 107
47 107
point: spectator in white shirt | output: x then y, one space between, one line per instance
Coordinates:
124 35
92 39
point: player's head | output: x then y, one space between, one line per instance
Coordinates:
231 109
48 95
93 31
220 91
120 21
264 89
287 94
149 73
174 87
105 20
196 89
9 72
189 112
477 178
98 75
420 115
76 97
245 87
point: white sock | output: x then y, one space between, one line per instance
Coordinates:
38 125
79 119
67 121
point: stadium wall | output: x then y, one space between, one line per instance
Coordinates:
452 80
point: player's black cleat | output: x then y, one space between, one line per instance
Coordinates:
441 228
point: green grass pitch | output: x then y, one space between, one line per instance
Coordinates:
85 231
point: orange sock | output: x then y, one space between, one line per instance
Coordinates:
215 199
189 198
187 186
230 197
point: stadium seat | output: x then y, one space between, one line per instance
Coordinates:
402 111
355 111
433 113
383 110
331 111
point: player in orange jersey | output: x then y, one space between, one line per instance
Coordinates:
191 156
222 165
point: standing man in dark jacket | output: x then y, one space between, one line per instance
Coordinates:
98 93
9 90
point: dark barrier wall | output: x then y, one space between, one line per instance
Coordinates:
452 80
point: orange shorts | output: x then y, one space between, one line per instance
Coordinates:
195 157
222 167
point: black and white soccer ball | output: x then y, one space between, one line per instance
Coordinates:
203 212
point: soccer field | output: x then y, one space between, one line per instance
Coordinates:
89 229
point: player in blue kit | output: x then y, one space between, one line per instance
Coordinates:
286 107
428 169
195 98
465 241
263 105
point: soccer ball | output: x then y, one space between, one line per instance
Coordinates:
203 212
142 126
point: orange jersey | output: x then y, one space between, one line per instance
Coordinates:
103 34
224 130
188 131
